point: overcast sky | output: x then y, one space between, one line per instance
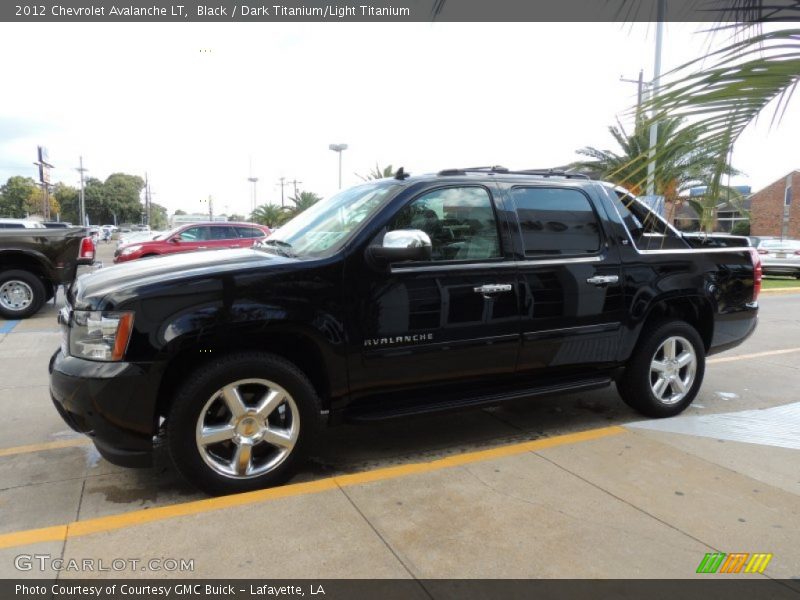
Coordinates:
193 104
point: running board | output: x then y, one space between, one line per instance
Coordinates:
363 415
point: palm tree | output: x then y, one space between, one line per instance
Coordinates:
302 201
378 173
270 215
682 163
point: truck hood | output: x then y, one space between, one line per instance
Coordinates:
124 280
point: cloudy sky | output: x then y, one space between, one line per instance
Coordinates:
194 104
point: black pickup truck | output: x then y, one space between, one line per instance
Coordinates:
34 262
400 296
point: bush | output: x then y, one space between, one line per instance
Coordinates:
741 228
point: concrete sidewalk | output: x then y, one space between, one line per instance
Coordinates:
629 503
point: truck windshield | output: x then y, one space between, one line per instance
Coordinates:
325 227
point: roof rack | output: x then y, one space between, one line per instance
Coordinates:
505 171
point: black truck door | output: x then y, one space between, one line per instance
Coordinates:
570 279
450 320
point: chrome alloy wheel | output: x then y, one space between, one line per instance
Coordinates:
673 369
15 295
247 428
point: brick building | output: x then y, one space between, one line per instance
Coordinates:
771 211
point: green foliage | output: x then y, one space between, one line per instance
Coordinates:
158 217
270 215
68 199
377 173
682 161
180 212
741 228
237 217
302 201
18 196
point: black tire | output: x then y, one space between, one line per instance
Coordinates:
635 385
202 386
33 283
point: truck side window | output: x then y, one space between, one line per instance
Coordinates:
459 220
194 234
556 221
647 230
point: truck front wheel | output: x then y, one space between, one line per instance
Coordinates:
666 370
242 422
21 294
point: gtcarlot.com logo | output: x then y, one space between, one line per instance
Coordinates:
736 562
45 562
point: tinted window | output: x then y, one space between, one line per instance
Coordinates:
223 232
556 221
249 232
12 226
460 222
194 234
647 230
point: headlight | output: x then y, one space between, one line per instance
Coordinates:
99 335
130 249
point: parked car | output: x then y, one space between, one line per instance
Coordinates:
193 237
34 262
130 237
20 224
396 297
780 257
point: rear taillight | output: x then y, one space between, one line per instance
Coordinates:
87 249
754 255
763 251
797 252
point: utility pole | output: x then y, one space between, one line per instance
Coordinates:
81 170
210 208
295 183
282 184
339 148
146 200
254 181
641 85
651 162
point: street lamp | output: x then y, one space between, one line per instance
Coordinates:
254 181
339 148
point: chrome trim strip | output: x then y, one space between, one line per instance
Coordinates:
497 265
599 328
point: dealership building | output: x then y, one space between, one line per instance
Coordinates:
771 211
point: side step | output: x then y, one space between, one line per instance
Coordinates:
384 413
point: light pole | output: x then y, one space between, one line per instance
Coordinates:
339 148
82 170
651 159
254 181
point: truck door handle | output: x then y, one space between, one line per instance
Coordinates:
603 279
492 288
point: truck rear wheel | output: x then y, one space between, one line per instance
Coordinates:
243 422
666 370
21 294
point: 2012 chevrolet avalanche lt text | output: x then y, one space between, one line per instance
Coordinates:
400 296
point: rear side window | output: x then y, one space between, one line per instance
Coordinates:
249 232
556 221
223 232
12 226
194 234
648 231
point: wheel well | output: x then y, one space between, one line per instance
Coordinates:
695 311
301 351
24 262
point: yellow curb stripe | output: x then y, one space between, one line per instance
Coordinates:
725 359
138 517
82 441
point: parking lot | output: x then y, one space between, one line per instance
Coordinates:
570 486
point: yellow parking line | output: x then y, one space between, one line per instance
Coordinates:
725 359
138 517
82 441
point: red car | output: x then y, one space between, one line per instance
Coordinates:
195 236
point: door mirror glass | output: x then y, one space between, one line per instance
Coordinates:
401 245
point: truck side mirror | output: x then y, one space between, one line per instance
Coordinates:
402 245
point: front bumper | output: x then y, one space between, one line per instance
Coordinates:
113 403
